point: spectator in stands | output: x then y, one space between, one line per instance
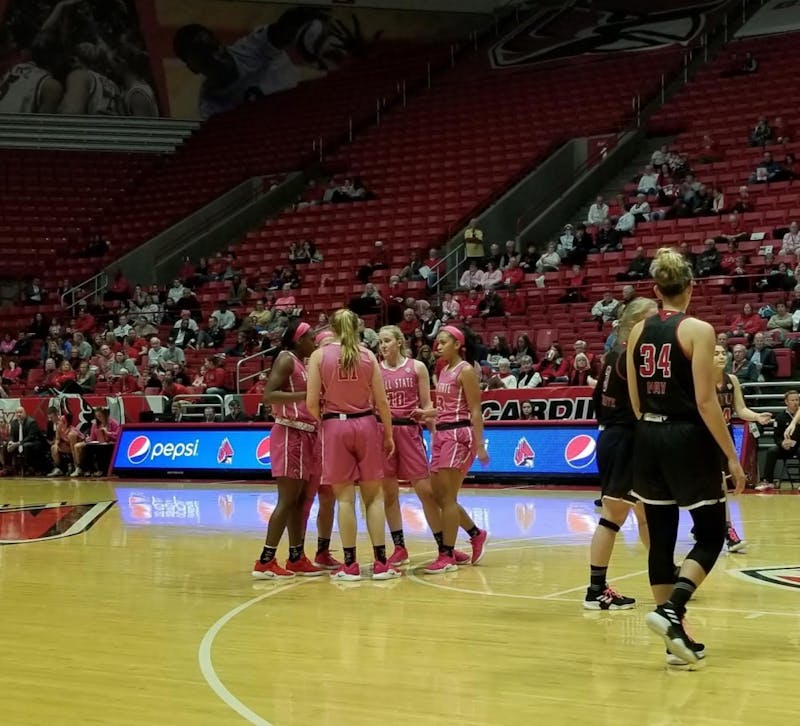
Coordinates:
762 358
554 368
703 202
515 303
491 306
170 388
641 210
509 252
574 281
83 346
85 321
513 275
580 373
493 277
11 373
566 242
498 349
7 344
528 377
781 320
215 376
64 381
412 269
240 348
472 277
747 323
718 201
504 374
27 443
529 259
34 293
743 203
550 261
761 133
659 157
238 292
791 240
470 306
176 294
710 260
773 276
121 362
138 299
768 170
173 353
426 357
605 310
430 325
297 254
451 309
648 181
143 328
122 328
522 348
156 353
409 323
235 413
85 377
473 243
434 268
598 212
607 238
638 267
257 319
377 261
119 289
39 328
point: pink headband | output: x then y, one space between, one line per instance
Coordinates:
456 333
302 329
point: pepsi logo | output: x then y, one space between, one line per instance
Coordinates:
138 449
262 452
580 451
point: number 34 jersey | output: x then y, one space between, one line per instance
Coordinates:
663 371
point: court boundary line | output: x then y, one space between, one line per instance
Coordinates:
205 660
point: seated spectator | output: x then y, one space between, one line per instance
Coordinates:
710 260
125 384
761 133
120 362
711 152
729 259
238 292
504 374
638 267
513 275
515 303
554 367
495 255
430 325
240 348
607 238
747 323
781 320
257 319
528 377
173 353
509 252
794 305
575 281
648 181
580 373
433 269
176 294
523 347
119 288
122 328
491 306
260 384
718 201
732 230
605 310
773 276
763 358
498 349
598 212
7 344
297 254
156 353
791 240
768 170
529 259
377 261
410 322
566 242
369 302
748 66
85 321
412 269
235 413
472 277
170 388
473 243
451 309
85 377
659 157
11 373
626 224
425 356
550 261
791 166
469 306
703 202
641 210
184 333
215 376
493 277
65 380
39 328
785 447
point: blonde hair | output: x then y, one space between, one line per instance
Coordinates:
345 325
395 332
636 310
671 271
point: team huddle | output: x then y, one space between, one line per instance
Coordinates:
663 403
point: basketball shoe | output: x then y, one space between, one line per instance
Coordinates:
304 568
270 571
478 543
676 662
733 540
399 557
443 563
347 573
384 571
666 622
326 561
607 599
462 558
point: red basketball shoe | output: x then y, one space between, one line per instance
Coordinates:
270 571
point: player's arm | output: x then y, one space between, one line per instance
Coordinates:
699 338
314 385
472 392
633 391
789 432
382 406
424 388
278 378
741 409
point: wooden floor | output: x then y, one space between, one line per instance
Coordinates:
150 616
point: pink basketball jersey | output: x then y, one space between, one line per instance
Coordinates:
346 391
402 387
451 403
298 381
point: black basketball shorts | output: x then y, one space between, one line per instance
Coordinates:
615 462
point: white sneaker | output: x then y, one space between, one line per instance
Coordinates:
77 472
56 472
765 487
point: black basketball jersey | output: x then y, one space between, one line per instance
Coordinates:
725 398
663 372
612 404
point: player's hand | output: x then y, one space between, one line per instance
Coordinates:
787 444
420 414
764 418
789 431
737 475
388 445
482 455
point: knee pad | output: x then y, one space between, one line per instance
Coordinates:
608 524
661 568
709 541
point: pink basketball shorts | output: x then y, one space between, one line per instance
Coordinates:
453 449
352 450
293 453
409 461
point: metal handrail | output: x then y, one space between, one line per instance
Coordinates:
83 291
262 354
191 402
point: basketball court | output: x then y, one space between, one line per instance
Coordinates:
147 614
